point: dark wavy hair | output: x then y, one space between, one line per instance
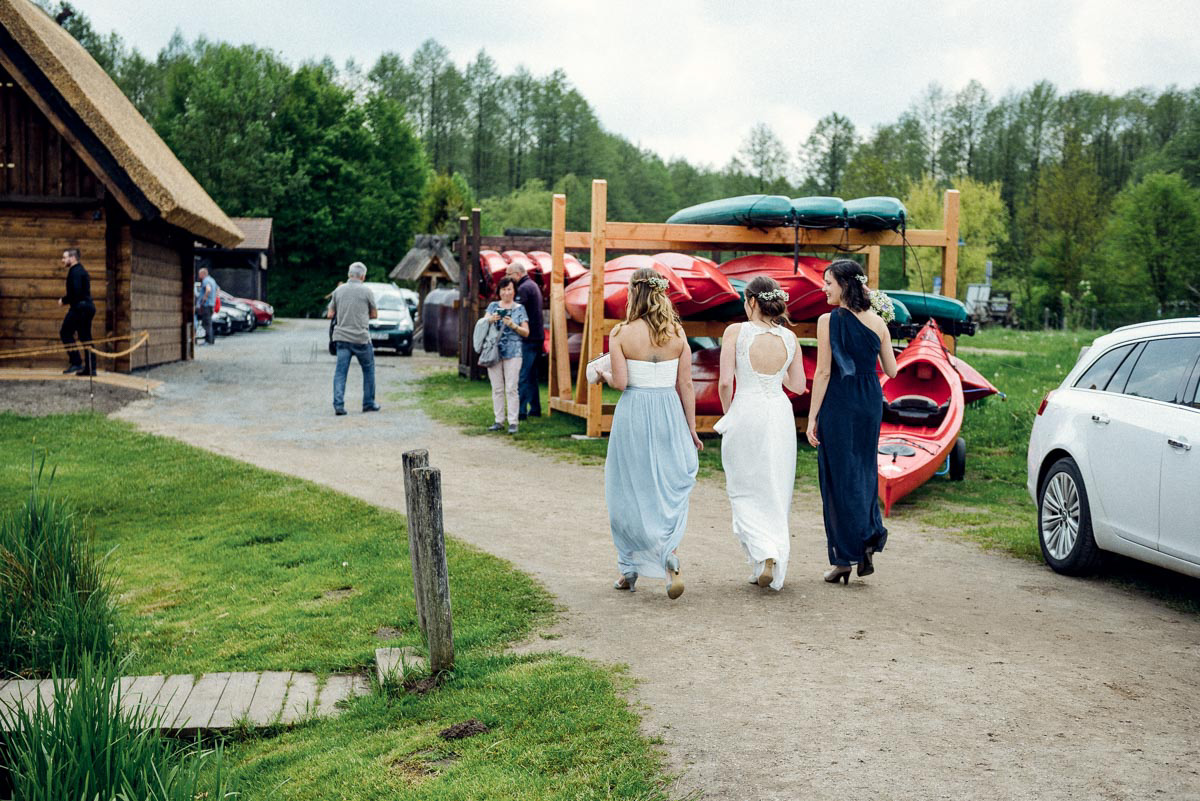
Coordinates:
854 291
774 310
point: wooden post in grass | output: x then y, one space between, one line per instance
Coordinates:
431 576
410 461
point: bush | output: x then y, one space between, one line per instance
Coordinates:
56 596
85 746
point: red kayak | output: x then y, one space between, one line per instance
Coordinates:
543 267
709 288
494 266
616 287
922 414
706 377
806 301
975 386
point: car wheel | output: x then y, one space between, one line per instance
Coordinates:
958 460
405 351
1065 521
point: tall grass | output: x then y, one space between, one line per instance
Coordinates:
85 746
56 595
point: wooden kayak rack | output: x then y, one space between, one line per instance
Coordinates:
585 400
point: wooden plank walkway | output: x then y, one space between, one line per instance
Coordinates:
214 701
102 377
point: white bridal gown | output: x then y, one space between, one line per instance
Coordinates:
758 452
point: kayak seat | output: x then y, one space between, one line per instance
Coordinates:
914 410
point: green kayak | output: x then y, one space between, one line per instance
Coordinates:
751 211
819 212
921 307
902 314
876 213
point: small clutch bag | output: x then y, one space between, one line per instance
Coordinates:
598 365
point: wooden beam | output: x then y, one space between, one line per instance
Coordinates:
873 266
663 236
560 359
595 338
950 253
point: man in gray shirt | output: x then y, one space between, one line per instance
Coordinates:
353 306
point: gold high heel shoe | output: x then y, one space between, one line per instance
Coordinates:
675 588
836 574
768 575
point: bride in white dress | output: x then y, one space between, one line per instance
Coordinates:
758 430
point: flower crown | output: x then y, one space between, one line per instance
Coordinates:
656 283
773 294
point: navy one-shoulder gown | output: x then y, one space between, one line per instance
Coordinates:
848 428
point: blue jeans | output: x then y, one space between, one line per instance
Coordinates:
530 397
366 360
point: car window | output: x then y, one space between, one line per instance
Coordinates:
390 303
1098 375
1121 377
1162 367
1191 395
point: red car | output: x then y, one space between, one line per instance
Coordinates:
264 313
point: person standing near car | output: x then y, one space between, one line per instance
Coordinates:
353 307
529 295
206 301
80 311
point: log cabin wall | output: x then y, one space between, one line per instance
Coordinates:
49 201
32 278
160 293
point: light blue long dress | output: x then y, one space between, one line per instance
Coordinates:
650 469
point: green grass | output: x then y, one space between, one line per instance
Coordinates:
224 566
991 507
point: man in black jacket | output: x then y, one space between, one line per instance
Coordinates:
529 295
80 311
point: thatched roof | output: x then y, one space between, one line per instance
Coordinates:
427 252
134 163
257 231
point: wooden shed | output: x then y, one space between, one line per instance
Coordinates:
429 263
80 167
242 269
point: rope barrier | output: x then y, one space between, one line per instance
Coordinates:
144 337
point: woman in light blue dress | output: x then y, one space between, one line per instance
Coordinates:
652 463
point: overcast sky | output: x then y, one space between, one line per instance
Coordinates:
691 78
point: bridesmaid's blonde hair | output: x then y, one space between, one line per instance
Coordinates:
647 300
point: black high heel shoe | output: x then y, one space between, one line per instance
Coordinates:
867 566
838 573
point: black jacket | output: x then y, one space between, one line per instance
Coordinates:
529 295
79 286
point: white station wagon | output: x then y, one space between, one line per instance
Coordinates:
1114 455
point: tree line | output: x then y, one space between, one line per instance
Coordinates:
1080 200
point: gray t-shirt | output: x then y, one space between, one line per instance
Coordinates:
352 305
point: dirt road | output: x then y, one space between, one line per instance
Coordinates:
952 673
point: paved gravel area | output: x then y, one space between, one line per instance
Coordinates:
952 673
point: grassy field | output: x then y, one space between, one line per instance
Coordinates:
991 506
223 566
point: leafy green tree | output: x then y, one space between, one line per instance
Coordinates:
218 113
527 207
827 152
445 199
982 229
1151 243
764 156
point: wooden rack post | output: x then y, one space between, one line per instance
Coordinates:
585 400
431 577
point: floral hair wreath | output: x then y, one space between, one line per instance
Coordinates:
862 279
773 294
656 283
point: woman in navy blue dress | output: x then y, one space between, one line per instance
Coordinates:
844 419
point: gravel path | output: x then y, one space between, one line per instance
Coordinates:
952 673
